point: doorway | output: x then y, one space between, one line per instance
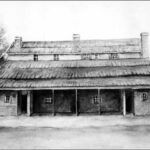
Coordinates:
129 102
22 102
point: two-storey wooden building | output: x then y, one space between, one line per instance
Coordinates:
75 77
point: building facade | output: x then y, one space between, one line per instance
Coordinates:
76 77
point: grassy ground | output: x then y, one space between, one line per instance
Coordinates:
74 132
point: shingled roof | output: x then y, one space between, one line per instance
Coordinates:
76 73
78 47
59 74
74 69
62 83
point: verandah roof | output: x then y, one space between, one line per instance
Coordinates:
73 73
73 69
96 73
76 83
75 63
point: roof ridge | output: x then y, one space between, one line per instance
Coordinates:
84 40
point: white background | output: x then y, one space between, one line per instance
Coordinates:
50 20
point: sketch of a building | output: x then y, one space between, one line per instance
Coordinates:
75 77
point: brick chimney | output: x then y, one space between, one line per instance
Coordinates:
145 44
76 37
18 42
76 42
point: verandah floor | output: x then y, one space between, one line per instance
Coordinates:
79 114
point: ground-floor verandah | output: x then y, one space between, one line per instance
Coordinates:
75 101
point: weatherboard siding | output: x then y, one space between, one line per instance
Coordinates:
20 57
141 107
8 109
129 55
71 56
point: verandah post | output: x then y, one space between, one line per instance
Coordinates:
133 109
124 101
53 98
99 101
76 95
28 103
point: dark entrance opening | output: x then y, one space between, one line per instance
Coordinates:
24 104
129 101
73 106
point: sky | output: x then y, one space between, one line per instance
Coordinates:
59 20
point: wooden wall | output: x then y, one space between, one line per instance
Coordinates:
71 56
65 101
86 103
110 101
141 107
39 105
8 109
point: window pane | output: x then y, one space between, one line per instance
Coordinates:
48 100
35 57
7 99
56 57
113 56
144 96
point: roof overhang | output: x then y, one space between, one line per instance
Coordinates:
78 88
90 83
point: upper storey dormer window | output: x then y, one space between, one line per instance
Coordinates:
56 57
35 57
113 56
86 56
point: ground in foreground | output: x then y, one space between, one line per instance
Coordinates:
71 132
